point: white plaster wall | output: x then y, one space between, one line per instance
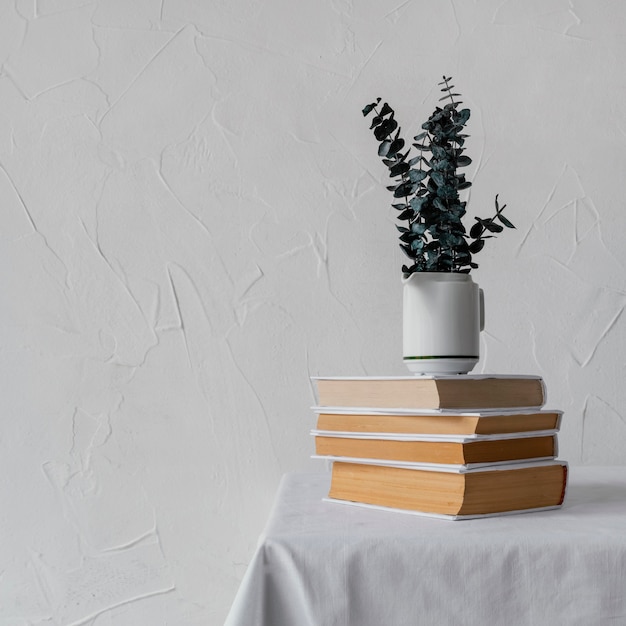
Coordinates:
194 221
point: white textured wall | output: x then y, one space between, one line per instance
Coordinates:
194 220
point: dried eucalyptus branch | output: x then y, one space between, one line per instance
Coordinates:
434 238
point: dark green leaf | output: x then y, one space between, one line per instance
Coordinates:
370 107
376 121
398 169
386 110
477 246
463 160
383 148
385 129
505 221
405 189
439 204
438 178
415 176
407 214
476 230
418 203
447 192
442 165
494 228
396 146
406 250
418 228
450 95
462 116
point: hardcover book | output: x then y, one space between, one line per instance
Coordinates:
451 494
435 422
444 450
433 392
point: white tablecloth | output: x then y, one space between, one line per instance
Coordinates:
327 564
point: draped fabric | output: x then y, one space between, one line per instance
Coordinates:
327 564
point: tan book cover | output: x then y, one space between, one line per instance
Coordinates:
442 450
435 422
467 494
433 392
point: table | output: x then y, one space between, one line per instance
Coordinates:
328 564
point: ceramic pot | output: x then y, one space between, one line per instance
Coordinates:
443 314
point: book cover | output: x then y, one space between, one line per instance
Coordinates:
433 392
436 421
450 494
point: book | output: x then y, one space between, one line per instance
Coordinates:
433 392
494 490
443 450
409 421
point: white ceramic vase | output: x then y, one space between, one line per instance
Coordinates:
443 314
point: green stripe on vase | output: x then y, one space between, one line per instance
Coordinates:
426 358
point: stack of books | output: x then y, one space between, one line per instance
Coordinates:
448 446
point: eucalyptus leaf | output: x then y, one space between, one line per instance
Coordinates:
385 129
494 228
399 168
415 176
367 109
396 146
476 230
376 121
418 203
383 148
438 202
404 189
505 221
438 178
477 246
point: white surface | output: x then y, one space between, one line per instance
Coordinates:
324 563
193 219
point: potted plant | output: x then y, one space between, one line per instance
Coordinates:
443 307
